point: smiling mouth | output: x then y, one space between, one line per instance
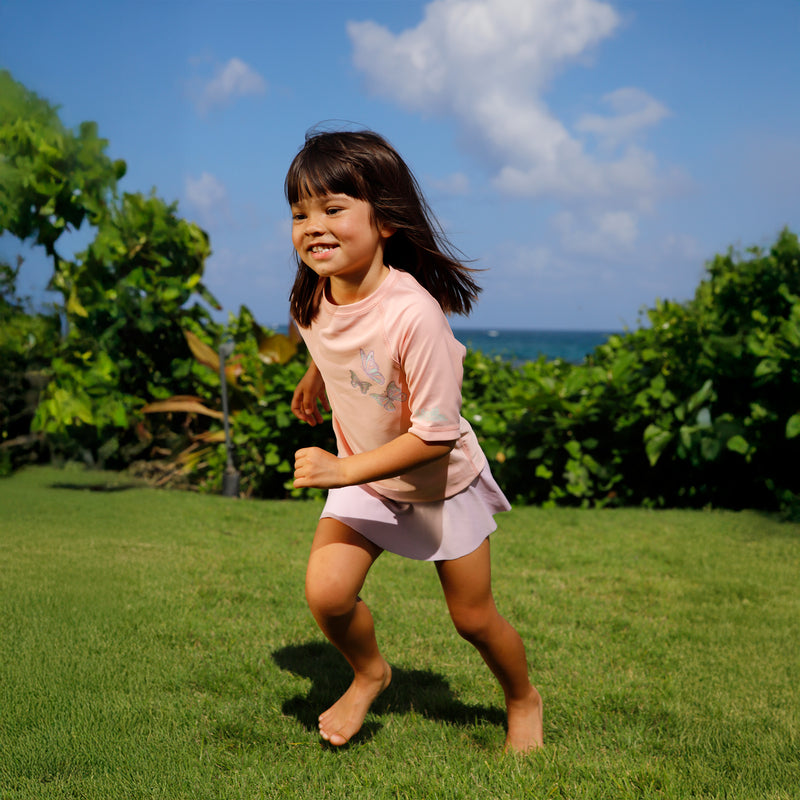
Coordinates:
322 248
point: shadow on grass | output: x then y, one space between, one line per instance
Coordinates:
422 691
96 487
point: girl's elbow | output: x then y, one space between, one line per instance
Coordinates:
442 449
432 451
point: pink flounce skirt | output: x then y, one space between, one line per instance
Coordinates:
438 531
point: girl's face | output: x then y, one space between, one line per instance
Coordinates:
336 235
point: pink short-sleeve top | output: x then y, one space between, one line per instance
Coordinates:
391 365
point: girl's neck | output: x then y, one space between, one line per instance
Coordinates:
342 292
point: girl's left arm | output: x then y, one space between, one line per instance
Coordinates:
317 468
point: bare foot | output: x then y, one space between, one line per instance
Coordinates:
525 725
345 717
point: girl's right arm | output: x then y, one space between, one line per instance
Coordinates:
308 395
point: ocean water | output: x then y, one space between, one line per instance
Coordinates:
527 345
519 346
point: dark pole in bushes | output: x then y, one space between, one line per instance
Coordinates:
230 478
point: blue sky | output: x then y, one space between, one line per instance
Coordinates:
590 155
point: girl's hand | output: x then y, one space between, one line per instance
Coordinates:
309 395
316 468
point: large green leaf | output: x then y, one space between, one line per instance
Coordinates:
793 426
656 440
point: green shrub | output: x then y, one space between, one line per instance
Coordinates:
261 375
28 341
128 298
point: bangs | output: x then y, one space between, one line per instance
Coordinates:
319 170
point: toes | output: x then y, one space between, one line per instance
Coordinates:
335 738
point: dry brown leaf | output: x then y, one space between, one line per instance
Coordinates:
181 406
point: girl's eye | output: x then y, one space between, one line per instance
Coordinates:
298 217
332 210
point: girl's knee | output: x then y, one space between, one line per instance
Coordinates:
327 598
337 566
475 624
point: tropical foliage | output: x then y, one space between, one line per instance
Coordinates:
28 343
697 406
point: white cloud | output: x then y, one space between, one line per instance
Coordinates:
606 234
487 63
462 47
587 271
635 110
208 197
230 80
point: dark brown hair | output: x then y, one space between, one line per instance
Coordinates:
363 165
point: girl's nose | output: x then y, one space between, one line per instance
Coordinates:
314 224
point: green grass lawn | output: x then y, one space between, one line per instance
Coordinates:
156 644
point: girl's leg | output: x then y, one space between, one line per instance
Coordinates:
467 588
337 567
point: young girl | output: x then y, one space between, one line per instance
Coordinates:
375 277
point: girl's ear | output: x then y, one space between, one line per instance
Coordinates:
385 230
